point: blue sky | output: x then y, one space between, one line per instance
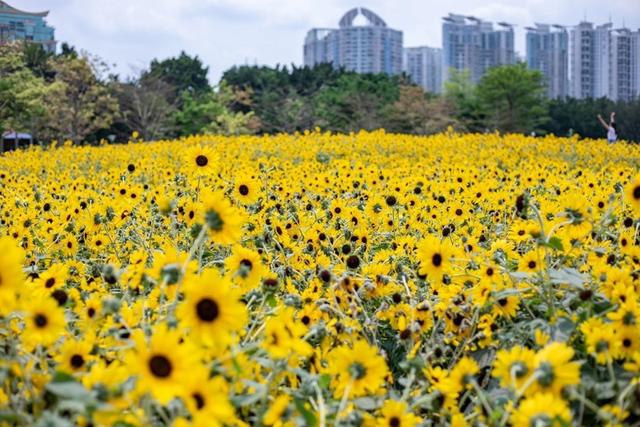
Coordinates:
129 33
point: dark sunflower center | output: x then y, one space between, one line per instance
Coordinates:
40 320
394 421
243 189
199 400
202 160
546 374
50 282
207 310
626 342
636 192
357 371
214 221
391 201
436 259
160 366
519 369
502 301
77 361
541 420
532 264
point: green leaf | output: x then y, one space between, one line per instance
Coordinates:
62 377
271 301
309 417
324 380
70 390
366 403
555 243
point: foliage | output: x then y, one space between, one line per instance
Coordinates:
184 73
21 92
513 98
146 108
415 112
460 91
209 113
580 116
81 104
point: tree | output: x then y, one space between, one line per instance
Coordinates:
145 107
355 102
82 104
415 112
37 60
513 98
21 92
209 113
460 91
184 73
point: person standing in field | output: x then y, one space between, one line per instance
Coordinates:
612 135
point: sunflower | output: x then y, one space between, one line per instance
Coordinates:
53 278
223 220
506 306
628 338
200 158
246 190
632 193
163 365
359 368
531 262
246 267
602 342
207 402
396 414
44 322
435 257
11 275
542 409
513 367
554 369
75 356
211 309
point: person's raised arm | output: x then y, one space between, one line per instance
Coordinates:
606 126
613 117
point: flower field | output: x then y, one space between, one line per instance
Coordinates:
317 279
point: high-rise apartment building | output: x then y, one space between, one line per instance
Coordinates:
603 62
371 47
620 65
548 52
469 43
423 64
635 64
17 25
582 61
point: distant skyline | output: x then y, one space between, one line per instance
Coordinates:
223 33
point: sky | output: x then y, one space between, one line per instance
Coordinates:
129 33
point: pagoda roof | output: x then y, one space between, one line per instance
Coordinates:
5 8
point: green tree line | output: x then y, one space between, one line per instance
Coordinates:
74 96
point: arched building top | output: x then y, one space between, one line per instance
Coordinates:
348 18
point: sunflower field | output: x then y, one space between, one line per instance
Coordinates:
317 279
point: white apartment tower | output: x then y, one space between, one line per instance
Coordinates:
423 64
548 52
368 47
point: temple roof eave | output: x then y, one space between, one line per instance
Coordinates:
5 8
